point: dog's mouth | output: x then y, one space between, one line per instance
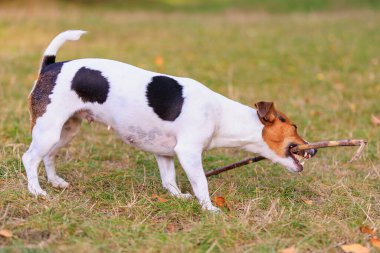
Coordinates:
299 157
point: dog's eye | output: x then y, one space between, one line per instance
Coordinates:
281 118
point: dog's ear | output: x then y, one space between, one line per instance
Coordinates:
266 112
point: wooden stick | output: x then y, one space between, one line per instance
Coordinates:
234 165
327 144
315 145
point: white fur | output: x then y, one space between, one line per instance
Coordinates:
207 120
61 38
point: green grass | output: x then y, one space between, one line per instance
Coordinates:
321 69
273 6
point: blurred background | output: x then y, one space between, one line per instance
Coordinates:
273 6
307 54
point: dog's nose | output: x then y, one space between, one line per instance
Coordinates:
312 152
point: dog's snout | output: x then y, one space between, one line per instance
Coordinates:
312 152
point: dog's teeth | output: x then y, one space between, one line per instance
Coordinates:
109 128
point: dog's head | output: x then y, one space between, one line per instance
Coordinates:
280 134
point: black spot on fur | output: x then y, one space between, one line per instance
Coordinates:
90 85
281 118
39 98
47 60
165 97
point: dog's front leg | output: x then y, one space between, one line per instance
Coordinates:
167 172
190 158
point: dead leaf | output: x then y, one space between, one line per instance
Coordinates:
159 61
160 199
375 242
289 250
375 120
354 248
353 107
314 113
6 233
220 201
308 201
320 76
170 228
367 230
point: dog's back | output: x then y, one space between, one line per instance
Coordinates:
140 105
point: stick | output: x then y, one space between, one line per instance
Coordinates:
315 145
234 165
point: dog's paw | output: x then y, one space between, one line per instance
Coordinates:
183 195
37 191
210 208
58 182
214 209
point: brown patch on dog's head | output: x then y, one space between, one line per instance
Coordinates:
279 132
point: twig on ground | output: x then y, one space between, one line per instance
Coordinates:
315 145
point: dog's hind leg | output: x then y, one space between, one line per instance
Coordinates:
167 172
46 133
31 159
69 130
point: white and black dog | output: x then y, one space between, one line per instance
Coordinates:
162 114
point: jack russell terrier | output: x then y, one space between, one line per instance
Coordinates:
161 114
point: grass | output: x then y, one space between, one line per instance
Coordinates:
272 6
322 69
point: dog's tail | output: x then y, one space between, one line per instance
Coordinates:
56 43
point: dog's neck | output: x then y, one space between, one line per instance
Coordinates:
238 126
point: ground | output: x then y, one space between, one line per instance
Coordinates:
320 68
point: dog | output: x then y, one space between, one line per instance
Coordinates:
162 114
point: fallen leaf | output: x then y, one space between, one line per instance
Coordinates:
367 230
314 113
159 61
6 233
308 201
170 228
289 250
160 199
320 76
375 120
354 248
220 201
353 107
375 242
